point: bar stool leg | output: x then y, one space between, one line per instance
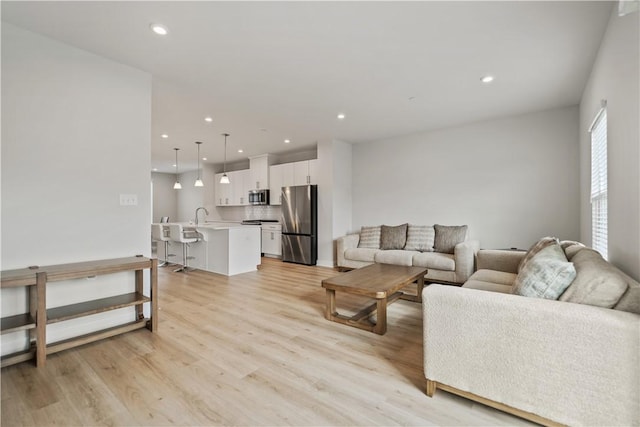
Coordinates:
184 259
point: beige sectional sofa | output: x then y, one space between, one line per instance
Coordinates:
453 264
551 361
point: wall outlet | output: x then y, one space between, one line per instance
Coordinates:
128 200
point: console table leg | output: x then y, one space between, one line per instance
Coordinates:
41 319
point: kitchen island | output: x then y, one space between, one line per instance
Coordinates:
227 248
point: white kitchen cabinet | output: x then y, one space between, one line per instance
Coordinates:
223 192
235 193
259 167
313 171
279 176
305 172
272 239
275 184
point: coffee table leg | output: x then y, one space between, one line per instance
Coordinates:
330 308
420 284
381 315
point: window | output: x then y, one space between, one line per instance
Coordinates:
599 182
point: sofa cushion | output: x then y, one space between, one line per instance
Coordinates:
361 254
494 276
397 257
420 238
487 286
630 301
447 237
597 282
537 247
393 237
370 237
546 275
436 260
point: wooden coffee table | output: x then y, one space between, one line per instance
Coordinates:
381 282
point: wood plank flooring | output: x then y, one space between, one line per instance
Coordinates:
252 349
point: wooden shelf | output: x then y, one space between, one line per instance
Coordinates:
72 311
36 278
19 322
95 336
21 356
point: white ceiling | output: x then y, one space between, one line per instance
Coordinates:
266 71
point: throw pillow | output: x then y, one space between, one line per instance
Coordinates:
370 237
393 237
597 282
447 237
546 275
420 238
537 247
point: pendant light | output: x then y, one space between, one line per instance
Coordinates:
224 179
199 182
177 185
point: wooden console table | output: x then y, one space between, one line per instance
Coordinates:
36 320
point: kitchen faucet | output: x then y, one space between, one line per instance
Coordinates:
206 212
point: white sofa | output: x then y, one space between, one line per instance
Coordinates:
549 361
447 268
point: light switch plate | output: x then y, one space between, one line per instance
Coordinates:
128 200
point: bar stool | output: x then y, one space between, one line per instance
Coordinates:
177 234
158 235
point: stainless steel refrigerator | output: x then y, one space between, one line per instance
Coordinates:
300 224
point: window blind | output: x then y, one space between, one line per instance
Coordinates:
599 222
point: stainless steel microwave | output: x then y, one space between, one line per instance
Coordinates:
258 197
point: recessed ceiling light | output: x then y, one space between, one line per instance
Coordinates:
341 116
240 150
174 165
155 169
486 79
159 29
208 119
286 141
164 135
204 158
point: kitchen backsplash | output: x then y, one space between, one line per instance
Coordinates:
249 212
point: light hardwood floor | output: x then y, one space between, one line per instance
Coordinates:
252 349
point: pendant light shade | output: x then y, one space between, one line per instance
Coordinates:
177 185
224 179
199 182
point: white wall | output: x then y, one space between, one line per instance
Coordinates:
512 180
75 135
164 196
614 77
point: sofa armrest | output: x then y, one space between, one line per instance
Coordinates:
571 363
350 241
465 258
500 260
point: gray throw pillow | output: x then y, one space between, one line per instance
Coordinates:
369 237
447 237
420 238
393 237
597 282
546 275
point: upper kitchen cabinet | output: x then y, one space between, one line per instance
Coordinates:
279 176
236 193
259 167
305 172
288 174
